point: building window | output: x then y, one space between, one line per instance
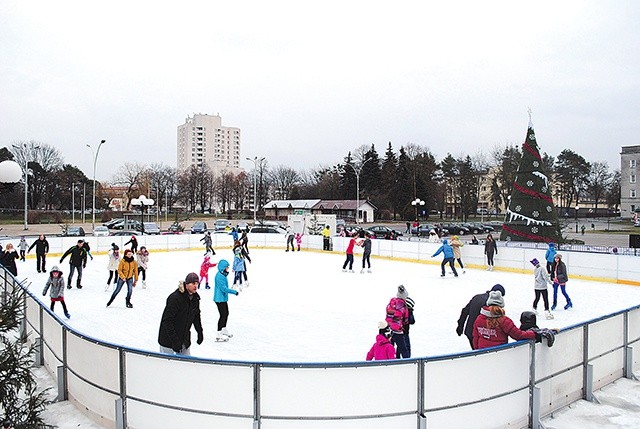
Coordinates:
632 178
632 193
632 163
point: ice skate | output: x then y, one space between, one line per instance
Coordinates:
129 305
548 315
488 268
226 332
344 271
568 306
535 311
221 337
442 275
351 271
362 271
369 270
67 315
106 288
207 286
144 284
246 284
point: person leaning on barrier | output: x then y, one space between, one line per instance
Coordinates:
326 238
181 311
470 312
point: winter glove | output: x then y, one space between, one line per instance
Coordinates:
200 338
177 348
459 330
61 260
84 265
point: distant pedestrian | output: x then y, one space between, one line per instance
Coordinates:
471 311
22 246
77 261
493 328
490 248
550 257
326 238
457 254
447 252
181 311
408 230
541 279
582 228
221 297
55 284
560 278
42 248
382 349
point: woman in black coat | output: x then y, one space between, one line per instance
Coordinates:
8 257
490 248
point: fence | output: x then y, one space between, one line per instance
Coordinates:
127 388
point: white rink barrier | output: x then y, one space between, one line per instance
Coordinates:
120 387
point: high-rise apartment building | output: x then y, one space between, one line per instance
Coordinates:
629 177
202 140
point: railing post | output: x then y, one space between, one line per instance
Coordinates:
535 409
62 384
628 363
422 420
256 396
119 413
588 394
37 352
122 406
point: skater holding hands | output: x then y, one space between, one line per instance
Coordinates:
447 251
560 278
366 255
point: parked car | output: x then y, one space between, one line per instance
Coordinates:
175 228
126 233
74 231
478 228
456 229
112 222
151 228
382 231
221 224
130 224
199 227
100 231
424 229
263 229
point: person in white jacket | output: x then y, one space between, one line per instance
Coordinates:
541 280
112 266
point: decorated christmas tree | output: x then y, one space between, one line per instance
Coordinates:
531 215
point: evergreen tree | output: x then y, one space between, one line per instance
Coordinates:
370 175
348 178
531 215
388 181
403 195
20 401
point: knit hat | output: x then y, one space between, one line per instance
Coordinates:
535 262
115 246
499 288
410 303
495 298
559 256
383 324
191 278
384 328
402 292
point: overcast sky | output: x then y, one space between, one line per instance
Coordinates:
307 82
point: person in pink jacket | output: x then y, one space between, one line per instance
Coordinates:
382 349
204 272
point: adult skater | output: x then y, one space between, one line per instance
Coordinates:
56 285
221 293
550 256
349 255
493 328
490 248
22 246
77 261
457 254
290 237
42 248
181 311
382 349
208 243
541 279
397 317
471 311
326 238
112 265
447 252
8 258
366 255
560 278
134 244
244 239
127 273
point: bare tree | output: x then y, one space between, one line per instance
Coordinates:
131 176
284 179
598 182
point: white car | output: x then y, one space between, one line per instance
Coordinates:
151 228
100 231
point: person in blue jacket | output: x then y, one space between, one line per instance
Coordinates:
447 251
220 297
550 256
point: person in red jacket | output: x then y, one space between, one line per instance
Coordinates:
492 328
382 349
349 252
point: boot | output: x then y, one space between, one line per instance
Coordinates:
206 286
553 307
224 331
110 301
569 305
67 315
221 337
129 305
106 288
548 315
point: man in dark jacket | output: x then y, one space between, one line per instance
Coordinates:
471 311
77 261
42 248
181 311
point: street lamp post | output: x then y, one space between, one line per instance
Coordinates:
358 171
577 208
73 203
95 160
143 202
417 203
255 161
26 181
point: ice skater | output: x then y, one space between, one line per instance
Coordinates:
77 261
457 254
490 248
22 246
42 248
541 279
382 349
134 243
290 237
349 255
238 265
55 285
127 273
204 271
221 297
550 256
447 252
298 240
560 278
8 258
112 266
208 243
143 260
397 317
366 254
410 321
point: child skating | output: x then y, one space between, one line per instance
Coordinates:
238 265
112 266
221 298
382 349
541 279
204 271
55 285
143 259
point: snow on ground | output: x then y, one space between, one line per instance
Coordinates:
301 307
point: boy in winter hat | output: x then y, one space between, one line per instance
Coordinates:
528 322
397 317
56 284
382 349
405 328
